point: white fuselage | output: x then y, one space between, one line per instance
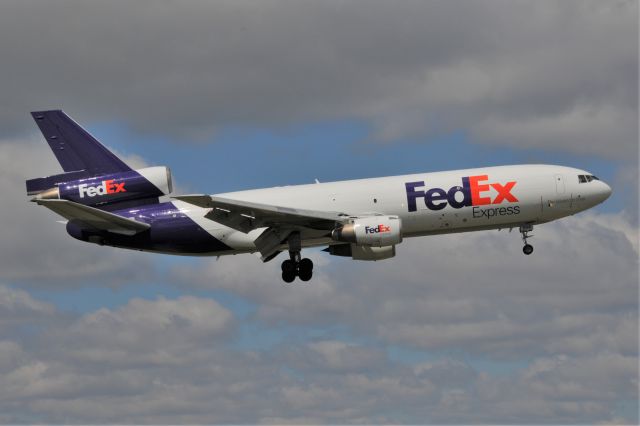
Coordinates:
428 203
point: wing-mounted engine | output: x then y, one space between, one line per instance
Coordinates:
147 183
375 231
369 238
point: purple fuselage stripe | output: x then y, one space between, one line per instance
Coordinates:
171 232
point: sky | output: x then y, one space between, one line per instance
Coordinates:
242 94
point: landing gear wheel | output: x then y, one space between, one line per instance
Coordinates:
524 230
305 275
289 266
305 269
288 276
305 265
288 271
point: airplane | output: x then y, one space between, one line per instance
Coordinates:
106 202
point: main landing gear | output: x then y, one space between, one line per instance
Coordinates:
524 230
295 266
292 268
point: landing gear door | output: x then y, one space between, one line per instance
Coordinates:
560 186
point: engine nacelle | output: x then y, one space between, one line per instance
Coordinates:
374 231
357 252
149 182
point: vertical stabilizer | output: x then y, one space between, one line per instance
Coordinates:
74 147
80 154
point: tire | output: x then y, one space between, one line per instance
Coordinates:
305 275
527 249
289 267
305 265
288 277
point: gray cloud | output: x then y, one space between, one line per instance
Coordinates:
573 321
542 74
166 361
539 74
571 328
145 333
509 309
36 249
18 308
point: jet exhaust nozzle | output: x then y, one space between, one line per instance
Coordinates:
49 194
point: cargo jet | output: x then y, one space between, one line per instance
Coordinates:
106 202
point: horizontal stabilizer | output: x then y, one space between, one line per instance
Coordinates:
94 218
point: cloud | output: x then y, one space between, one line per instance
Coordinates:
36 248
558 329
335 357
567 316
474 292
171 361
533 74
18 309
145 333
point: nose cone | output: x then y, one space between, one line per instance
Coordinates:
603 192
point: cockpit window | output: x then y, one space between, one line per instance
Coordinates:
586 178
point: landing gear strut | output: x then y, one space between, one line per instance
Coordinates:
295 265
524 230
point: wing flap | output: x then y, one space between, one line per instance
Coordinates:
94 218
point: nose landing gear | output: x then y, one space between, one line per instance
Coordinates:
524 230
295 266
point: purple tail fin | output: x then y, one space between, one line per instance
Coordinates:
79 153
74 147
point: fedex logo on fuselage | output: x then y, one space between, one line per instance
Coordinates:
107 187
377 230
474 190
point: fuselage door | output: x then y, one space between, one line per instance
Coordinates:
560 187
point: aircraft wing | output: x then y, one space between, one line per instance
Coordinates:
245 216
95 218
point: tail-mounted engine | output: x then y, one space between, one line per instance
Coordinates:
150 182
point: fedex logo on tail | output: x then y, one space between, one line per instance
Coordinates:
474 192
377 230
107 187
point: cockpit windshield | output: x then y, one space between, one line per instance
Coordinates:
587 178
